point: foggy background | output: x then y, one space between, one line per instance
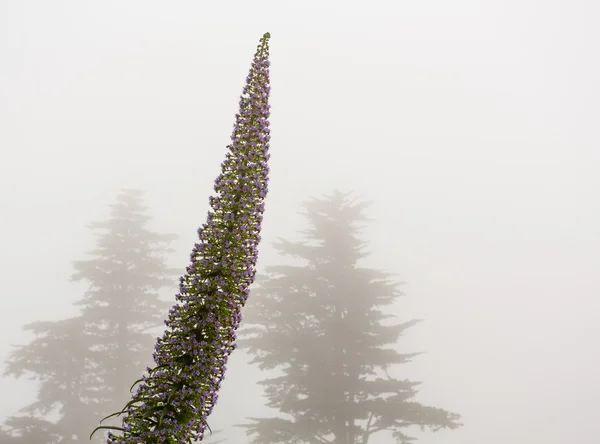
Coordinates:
469 124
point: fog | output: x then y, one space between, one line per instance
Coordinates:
471 126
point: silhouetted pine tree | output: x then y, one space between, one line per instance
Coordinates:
322 324
58 358
85 364
125 274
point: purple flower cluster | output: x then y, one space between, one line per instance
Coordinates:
174 399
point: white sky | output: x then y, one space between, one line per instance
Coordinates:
471 125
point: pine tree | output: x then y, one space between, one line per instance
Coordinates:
58 358
84 364
125 274
323 325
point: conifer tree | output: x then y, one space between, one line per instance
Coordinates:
58 359
83 364
175 397
125 274
324 325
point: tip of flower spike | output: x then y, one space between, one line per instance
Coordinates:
263 46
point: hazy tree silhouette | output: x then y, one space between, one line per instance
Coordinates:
58 358
85 364
125 274
323 325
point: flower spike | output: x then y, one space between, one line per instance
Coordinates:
174 399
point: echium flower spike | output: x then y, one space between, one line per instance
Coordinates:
174 399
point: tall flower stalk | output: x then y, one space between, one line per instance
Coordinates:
174 399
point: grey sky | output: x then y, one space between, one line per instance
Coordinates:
471 125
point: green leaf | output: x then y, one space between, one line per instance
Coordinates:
121 429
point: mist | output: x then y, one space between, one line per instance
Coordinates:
469 127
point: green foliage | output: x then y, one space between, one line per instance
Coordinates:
324 325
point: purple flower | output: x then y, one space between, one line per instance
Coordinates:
173 401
